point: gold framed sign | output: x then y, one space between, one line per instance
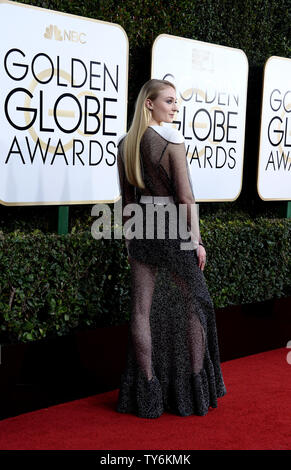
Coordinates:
274 163
63 106
211 82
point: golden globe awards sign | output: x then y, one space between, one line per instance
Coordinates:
274 167
63 105
211 83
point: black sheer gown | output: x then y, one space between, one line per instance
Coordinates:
173 361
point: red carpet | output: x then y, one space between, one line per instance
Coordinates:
254 415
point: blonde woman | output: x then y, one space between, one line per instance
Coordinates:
173 361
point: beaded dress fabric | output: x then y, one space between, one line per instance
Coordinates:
173 361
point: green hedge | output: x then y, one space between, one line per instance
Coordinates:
51 285
259 27
248 260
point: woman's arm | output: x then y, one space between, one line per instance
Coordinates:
183 188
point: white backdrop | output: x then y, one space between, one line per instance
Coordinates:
211 82
63 106
274 166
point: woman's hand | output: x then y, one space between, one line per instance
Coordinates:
201 253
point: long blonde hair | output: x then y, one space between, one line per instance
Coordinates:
140 123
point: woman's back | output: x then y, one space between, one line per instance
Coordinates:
164 164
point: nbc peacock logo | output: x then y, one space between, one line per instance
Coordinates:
54 33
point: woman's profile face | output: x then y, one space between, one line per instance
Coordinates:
163 107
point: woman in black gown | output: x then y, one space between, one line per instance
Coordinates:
173 361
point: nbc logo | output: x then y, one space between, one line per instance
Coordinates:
53 32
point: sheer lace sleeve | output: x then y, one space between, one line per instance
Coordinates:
127 190
183 189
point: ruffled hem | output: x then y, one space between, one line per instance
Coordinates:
192 394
